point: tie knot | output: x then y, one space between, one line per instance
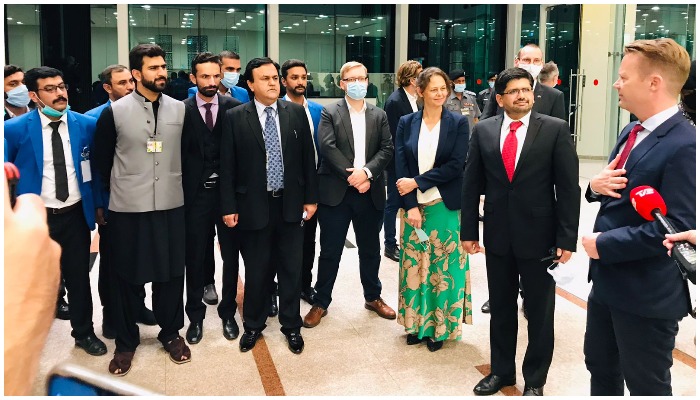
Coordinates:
270 111
54 125
636 129
208 106
515 125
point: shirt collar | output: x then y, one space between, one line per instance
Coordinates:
655 120
525 119
352 110
260 107
201 103
143 98
410 96
45 120
453 95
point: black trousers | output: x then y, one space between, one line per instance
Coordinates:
503 272
307 263
334 221
201 217
167 308
393 203
622 348
209 264
103 279
71 232
284 240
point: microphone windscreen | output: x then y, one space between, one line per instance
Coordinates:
645 199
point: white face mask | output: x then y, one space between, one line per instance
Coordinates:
533 69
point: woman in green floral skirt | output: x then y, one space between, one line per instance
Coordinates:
431 148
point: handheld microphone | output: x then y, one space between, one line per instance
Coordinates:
651 206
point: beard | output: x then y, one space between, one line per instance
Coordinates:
208 91
153 85
299 90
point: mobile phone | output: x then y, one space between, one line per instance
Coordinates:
73 380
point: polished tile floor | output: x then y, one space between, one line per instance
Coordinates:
354 352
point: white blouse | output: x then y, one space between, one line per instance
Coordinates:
427 148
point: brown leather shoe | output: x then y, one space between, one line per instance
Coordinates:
314 316
381 308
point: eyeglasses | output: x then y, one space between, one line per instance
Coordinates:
52 89
358 79
517 91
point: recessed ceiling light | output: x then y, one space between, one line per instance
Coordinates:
661 26
234 27
380 17
304 20
262 11
296 24
243 20
655 8
147 7
358 21
248 17
379 30
230 10
644 15
9 18
366 33
282 30
20 23
653 20
238 24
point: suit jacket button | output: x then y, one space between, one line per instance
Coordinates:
156 162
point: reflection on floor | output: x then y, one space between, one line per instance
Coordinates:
354 352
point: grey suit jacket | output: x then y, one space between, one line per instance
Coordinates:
337 145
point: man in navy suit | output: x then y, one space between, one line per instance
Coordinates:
402 101
638 294
294 78
51 148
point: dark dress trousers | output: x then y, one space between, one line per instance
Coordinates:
268 224
523 219
396 106
201 159
638 294
548 101
341 204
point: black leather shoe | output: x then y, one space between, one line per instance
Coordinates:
295 342
486 308
492 384
481 217
534 391
392 253
231 330
92 345
62 310
434 346
412 339
274 310
108 332
308 295
248 340
210 296
146 317
194 333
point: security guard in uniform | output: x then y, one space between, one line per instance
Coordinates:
461 100
485 95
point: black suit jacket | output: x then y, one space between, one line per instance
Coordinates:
243 180
193 143
337 145
634 273
451 153
548 101
540 207
396 106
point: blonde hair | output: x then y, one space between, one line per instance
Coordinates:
666 57
406 71
348 65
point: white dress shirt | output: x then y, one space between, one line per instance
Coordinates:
311 124
519 134
359 135
48 180
412 99
262 116
427 148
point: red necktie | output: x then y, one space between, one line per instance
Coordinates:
510 149
628 146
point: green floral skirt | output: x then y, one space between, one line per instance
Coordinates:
434 285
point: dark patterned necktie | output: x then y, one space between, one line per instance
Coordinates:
59 162
275 168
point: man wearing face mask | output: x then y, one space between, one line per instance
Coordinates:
548 101
462 101
51 147
230 75
355 141
16 93
485 95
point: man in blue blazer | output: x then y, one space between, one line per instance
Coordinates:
294 78
117 82
51 148
231 72
638 294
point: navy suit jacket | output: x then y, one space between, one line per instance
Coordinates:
238 93
25 149
451 154
634 273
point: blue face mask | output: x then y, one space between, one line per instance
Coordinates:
357 90
459 87
230 79
19 96
492 84
51 112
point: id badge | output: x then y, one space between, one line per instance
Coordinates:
85 169
466 111
154 146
